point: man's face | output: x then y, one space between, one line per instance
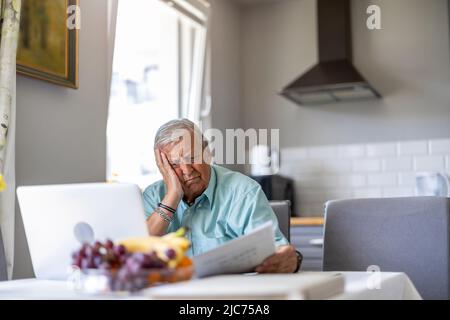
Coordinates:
189 165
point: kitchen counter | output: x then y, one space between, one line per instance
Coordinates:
307 237
307 221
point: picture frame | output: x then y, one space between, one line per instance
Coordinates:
48 49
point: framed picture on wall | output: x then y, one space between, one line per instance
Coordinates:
48 49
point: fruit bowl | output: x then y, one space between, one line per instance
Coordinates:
95 281
131 264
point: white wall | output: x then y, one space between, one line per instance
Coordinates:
367 170
225 65
61 133
407 61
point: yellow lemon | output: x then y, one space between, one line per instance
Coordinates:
2 183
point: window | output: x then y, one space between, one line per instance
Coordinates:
157 77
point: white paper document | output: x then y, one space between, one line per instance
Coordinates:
239 255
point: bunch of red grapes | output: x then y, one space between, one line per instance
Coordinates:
126 271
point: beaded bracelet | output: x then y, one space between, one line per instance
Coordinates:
163 215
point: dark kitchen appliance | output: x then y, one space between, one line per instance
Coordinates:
277 187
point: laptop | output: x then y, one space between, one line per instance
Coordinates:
58 218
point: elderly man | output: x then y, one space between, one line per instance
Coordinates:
216 204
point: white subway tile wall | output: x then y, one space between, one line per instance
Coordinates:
439 146
382 179
429 163
397 164
366 165
407 179
367 193
351 151
409 148
372 170
381 149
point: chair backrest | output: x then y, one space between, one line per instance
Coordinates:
408 235
3 273
282 209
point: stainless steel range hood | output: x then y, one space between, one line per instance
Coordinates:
333 78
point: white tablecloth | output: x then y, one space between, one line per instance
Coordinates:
391 286
358 285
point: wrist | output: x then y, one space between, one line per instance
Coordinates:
165 215
171 200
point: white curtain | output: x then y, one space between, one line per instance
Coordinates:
8 197
8 50
112 7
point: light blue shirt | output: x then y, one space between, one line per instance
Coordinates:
232 205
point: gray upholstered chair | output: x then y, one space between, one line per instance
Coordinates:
3 274
408 235
282 209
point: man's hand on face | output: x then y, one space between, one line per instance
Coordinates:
283 261
173 184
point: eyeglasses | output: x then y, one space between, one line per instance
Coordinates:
175 163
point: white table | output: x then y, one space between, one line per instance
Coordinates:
358 285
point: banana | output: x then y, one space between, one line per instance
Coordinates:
175 241
177 234
138 244
182 243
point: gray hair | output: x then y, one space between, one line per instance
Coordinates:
173 131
